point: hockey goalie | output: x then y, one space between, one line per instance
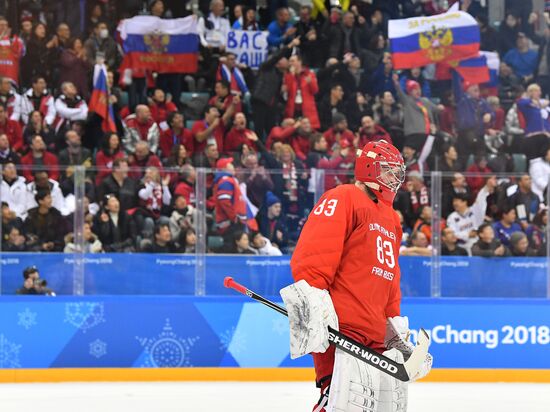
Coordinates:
347 276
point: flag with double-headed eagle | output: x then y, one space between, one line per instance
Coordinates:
419 41
160 45
99 102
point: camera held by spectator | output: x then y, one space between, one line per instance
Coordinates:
33 285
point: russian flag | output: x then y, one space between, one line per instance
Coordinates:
160 45
474 70
419 41
251 210
99 102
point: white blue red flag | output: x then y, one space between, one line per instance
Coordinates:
419 41
99 102
160 45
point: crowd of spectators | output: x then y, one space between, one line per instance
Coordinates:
326 88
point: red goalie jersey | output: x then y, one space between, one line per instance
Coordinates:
350 246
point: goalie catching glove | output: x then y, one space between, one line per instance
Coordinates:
397 337
310 313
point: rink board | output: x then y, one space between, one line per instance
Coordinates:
217 338
164 274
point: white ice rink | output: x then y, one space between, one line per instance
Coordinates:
257 397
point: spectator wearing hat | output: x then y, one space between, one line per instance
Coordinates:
487 245
519 245
272 222
300 86
522 59
418 113
449 244
339 131
230 206
473 117
372 132
536 112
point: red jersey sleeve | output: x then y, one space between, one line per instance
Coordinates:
321 244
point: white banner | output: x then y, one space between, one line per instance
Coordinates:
250 47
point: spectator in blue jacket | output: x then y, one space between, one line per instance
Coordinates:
280 30
473 116
522 59
506 225
536 113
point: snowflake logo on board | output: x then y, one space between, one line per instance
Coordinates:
84 315
167 350
98 348
27 319
9 353
235 341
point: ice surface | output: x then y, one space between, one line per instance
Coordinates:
257 397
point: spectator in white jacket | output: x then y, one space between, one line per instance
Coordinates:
465 220
213 30
264 246
69 106
539 169
38 98
14 190
41 181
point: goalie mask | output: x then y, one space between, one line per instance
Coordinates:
380 166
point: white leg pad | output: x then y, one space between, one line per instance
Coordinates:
354 385
393 392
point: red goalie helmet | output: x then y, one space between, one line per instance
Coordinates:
381 167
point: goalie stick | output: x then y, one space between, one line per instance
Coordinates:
401 371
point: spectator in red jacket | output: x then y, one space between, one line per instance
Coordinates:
38 157
239 135
105 157
142 158
212 128
339 131
301 87
222 99
176 134
186 185
372 132
477 180
281 133
11 128
300 139
160 108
